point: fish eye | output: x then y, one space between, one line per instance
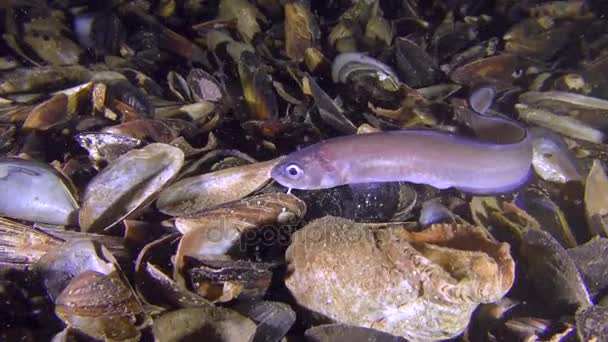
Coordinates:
294 171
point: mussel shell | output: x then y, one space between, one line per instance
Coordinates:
59 265
47 78
204 87
52 47
300 30
95 294
252 211
347 63
257 87
152 283
34 191
193 194
591 260
101 306
546 259
416 67
246 15
204 324
127 184
329 111
551 218
501 71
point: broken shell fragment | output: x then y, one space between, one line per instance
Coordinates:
36 192
421 285
106 147
127 184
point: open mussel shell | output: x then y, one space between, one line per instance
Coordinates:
127 184
368 78
193 194
144 129
224 280
152 282
48 113
232 229
59 265
36 192
101 306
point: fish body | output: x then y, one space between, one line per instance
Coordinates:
435 158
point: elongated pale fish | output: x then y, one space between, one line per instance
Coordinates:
500 163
